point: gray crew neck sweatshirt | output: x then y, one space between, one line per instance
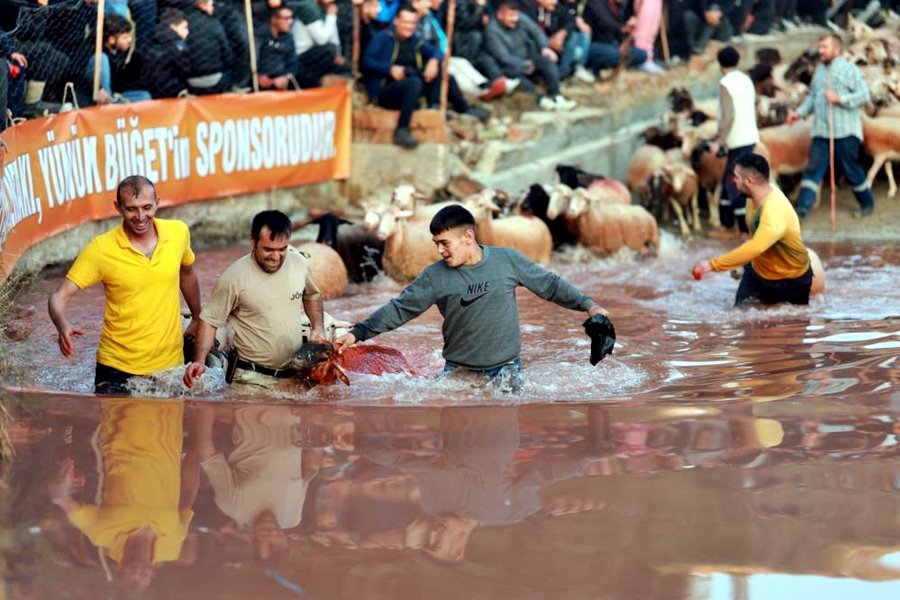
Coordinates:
478 303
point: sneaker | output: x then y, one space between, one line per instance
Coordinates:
863 211
651 67
404 139
788 25
547 103
583 75
511 85
482 114
560 102
496 89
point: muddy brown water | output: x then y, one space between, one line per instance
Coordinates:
716 454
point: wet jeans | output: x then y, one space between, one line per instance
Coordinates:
507 378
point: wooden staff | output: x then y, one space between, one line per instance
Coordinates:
98 47
664 35
354 51
831 157
251 43
445 74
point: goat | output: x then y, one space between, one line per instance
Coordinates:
536 202
677 183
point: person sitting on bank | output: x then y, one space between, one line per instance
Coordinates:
399 68
120 68
260 296
474 287
276 57
777 266
317 42
517 48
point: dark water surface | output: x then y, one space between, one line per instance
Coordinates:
716 454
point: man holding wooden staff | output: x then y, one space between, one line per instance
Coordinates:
837 86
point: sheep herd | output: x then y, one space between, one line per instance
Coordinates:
674 169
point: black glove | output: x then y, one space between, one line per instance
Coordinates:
603 336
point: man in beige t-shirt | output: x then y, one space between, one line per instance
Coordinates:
262 296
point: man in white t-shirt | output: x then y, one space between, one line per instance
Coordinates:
737 134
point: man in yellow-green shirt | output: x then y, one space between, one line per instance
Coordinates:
777 263
142 265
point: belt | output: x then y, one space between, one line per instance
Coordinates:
249 366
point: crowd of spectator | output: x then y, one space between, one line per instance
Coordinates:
163 48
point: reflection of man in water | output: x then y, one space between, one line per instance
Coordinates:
474 482
262 482
142 515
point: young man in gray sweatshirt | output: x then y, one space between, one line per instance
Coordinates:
474 287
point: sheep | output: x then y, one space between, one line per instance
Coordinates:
360 251
645 162
537 202
528 235
788 146
327 269
881 138
408 247
407 197
678 183
605 228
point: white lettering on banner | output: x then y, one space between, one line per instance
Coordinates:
17 199
237 145
69 170
146 152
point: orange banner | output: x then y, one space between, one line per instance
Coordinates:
61 171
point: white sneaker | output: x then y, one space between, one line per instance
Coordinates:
583 75
651 67
511 85
562 103
547 103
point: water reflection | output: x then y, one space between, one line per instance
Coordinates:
627 500
135 512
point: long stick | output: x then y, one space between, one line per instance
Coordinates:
445 73
251 43
354 52
98 47
664 36
831 158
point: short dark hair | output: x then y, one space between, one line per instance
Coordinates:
514 4
276 12
279 224
115 24
728 57
131 186
451 217
407 7
755 162
172 16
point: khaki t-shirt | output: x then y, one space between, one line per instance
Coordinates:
264 309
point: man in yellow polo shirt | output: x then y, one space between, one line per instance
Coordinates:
142 264
777 263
